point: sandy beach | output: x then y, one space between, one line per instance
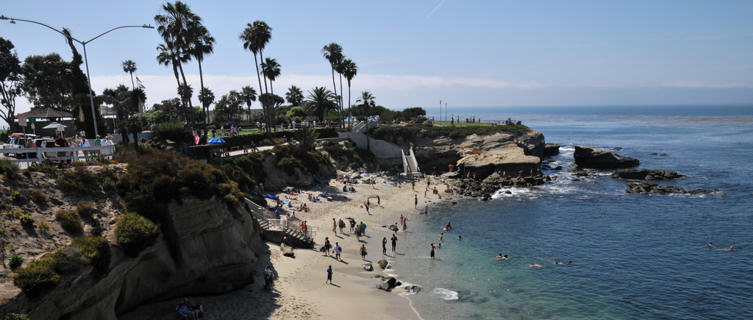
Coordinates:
300 291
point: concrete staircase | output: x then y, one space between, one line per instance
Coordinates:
410 164
275 229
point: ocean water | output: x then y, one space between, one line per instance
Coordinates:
633 256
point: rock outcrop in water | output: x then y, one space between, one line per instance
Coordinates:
550 150
212 250
646 174
597 158
653 188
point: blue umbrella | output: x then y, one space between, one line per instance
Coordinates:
271 196
216 140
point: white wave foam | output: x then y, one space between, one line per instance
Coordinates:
407 289
446 294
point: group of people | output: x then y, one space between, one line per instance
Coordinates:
188 310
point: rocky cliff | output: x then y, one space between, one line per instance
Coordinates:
211 249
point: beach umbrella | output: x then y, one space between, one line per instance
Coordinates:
55 125
271 196
216 140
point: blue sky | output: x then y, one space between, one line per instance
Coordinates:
414 53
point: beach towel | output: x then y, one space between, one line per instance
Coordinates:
385 185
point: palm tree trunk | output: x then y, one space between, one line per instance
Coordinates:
256 64
133 86
349 122
271 88
203 107
189 106
334 85
261 55
341 100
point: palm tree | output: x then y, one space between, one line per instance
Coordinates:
176 26
261 34
248 95
367 101
248 44
294 96
333 52
349 70
206 97
271 70
320 100
203 44
130 67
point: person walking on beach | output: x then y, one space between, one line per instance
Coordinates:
415 201
431 253
329 275
384 246
405 224
363 252
327 246
413 184
394 242
379 201
338 250
334 226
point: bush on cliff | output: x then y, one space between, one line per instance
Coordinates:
97 249
15 316
403 135
9 169
156 178
135 233
85 209
79 180
291 157
36 278
70 221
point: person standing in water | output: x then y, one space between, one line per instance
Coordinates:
394 242
432 251
441 236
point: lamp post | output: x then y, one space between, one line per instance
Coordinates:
86 60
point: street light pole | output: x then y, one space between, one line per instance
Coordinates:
86 59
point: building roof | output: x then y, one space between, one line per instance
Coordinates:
44 113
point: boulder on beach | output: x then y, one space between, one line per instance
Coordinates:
646 174
597 158
382 263
387 284
368 266
507 157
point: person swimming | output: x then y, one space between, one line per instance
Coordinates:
448 227
535 265
711 244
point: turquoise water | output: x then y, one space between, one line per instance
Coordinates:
633 256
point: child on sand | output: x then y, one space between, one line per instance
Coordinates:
329 275
363 252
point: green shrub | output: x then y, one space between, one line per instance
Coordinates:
70 221
9 169
15 261
157 178
60 262
26 221
17 197
38 196
79 180
85 209
135 233
174 131
97 249
36 278
15 316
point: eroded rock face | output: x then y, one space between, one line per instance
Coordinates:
207 248
597 158
653 188
551 150
508 157
278 178
646 174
